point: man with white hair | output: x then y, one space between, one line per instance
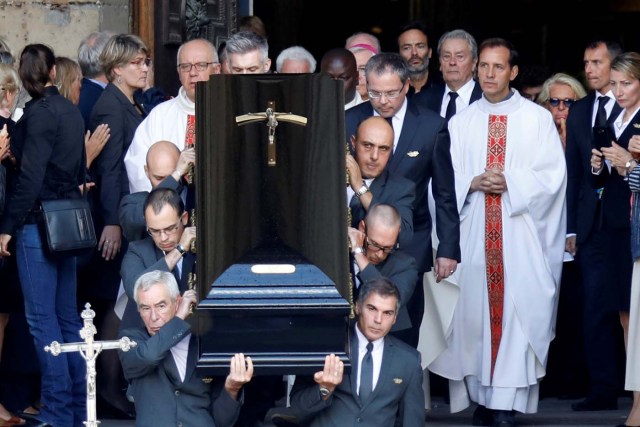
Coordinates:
295 59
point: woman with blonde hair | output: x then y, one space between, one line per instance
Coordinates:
624 157
558 94
125 61
69 82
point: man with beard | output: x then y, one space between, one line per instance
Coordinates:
413 46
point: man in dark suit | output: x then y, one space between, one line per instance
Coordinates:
168 247
371 183
384 386
420 153
93 79
161 368
165 167
458 55
597 224
373 246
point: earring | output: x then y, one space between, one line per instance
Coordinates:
119 80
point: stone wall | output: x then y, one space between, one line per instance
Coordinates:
61 24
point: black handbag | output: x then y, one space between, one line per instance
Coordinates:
68 225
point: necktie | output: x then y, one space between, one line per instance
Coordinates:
600 135
451 106
601 115
176 273
390 121
357 211
366 374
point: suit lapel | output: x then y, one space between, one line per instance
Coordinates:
171 369
157 251
377 186
633 128
385 368
476 93
355 366
192 357
409 126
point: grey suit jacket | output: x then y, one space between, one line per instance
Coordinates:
399 388
143 256
393 190
402 270
161 397
131 211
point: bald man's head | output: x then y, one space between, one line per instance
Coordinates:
162 159
383 215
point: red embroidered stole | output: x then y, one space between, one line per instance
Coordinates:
496 147
190 137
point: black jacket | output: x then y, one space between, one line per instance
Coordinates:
48 143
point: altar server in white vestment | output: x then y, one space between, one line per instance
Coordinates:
172 120
510 183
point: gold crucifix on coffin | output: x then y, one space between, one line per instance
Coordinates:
271 117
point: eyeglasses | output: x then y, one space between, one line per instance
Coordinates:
554 102
376 247
392 94
141 62
200 66
168 231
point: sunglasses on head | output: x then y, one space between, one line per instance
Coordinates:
554 102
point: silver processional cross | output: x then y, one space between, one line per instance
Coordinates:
271 117
89 350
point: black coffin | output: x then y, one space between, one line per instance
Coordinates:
288 321
256 213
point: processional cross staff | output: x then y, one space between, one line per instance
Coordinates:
89 350
271 117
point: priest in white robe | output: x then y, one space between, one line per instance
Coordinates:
510 183
172 120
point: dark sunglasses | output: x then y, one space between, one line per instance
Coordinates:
554 102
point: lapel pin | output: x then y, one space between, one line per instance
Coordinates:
636 125
397 380
207 380
413 153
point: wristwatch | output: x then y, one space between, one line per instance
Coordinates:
362 190
181 249
629 164
324 392
358 250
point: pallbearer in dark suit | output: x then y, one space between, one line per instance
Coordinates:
164 383
334 398
167 248
420 153
371 183
166 167
458 56
375 254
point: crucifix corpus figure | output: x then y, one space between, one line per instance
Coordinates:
89 350
271 117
